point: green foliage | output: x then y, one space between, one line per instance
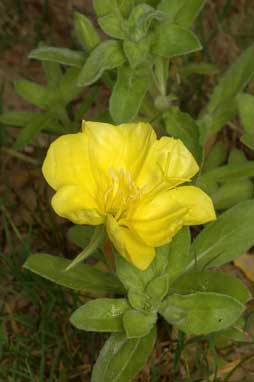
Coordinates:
60 55
225 239
121 358
182 12
246 109
216 282
180 125
137 323
100 315
86 32
107 55
222 106
171 40
128 93
84 278
201 312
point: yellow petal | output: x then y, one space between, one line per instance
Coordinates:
156 218
122 147
168 160
134 250
198 203
67 163
76 205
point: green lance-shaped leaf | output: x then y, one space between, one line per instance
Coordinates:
201 68
222 105
105 7
140 21
37 123
171 40
216 157
182 12
83 278
157 288
201 312
86 32
228 173
137 52
138 324
53 72
128 93
16 118
80 235
100 315
182 126
67 87
179 254
216 282
225 239
135 279
121 358
94 243
245 104
114 25
62 56
37 94
231 193
107 55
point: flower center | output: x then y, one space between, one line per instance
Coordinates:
121 194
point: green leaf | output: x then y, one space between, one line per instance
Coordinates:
137 299
61 55
246 109
182 126
136 280
95 241
182 12
37 94
68 89
232 193
158 288
16 118
216 157
212 123
138 324
80 235
128 93
82 278
53 72
201 312
121 359
222 105
234 80
171 40
216 282
228 172
225 239
137 52
129 275
104 7
119 7
140 21
37 123
107 55
113 25
201 68
100 315
179 254
85 31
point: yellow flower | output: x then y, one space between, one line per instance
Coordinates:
125 178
